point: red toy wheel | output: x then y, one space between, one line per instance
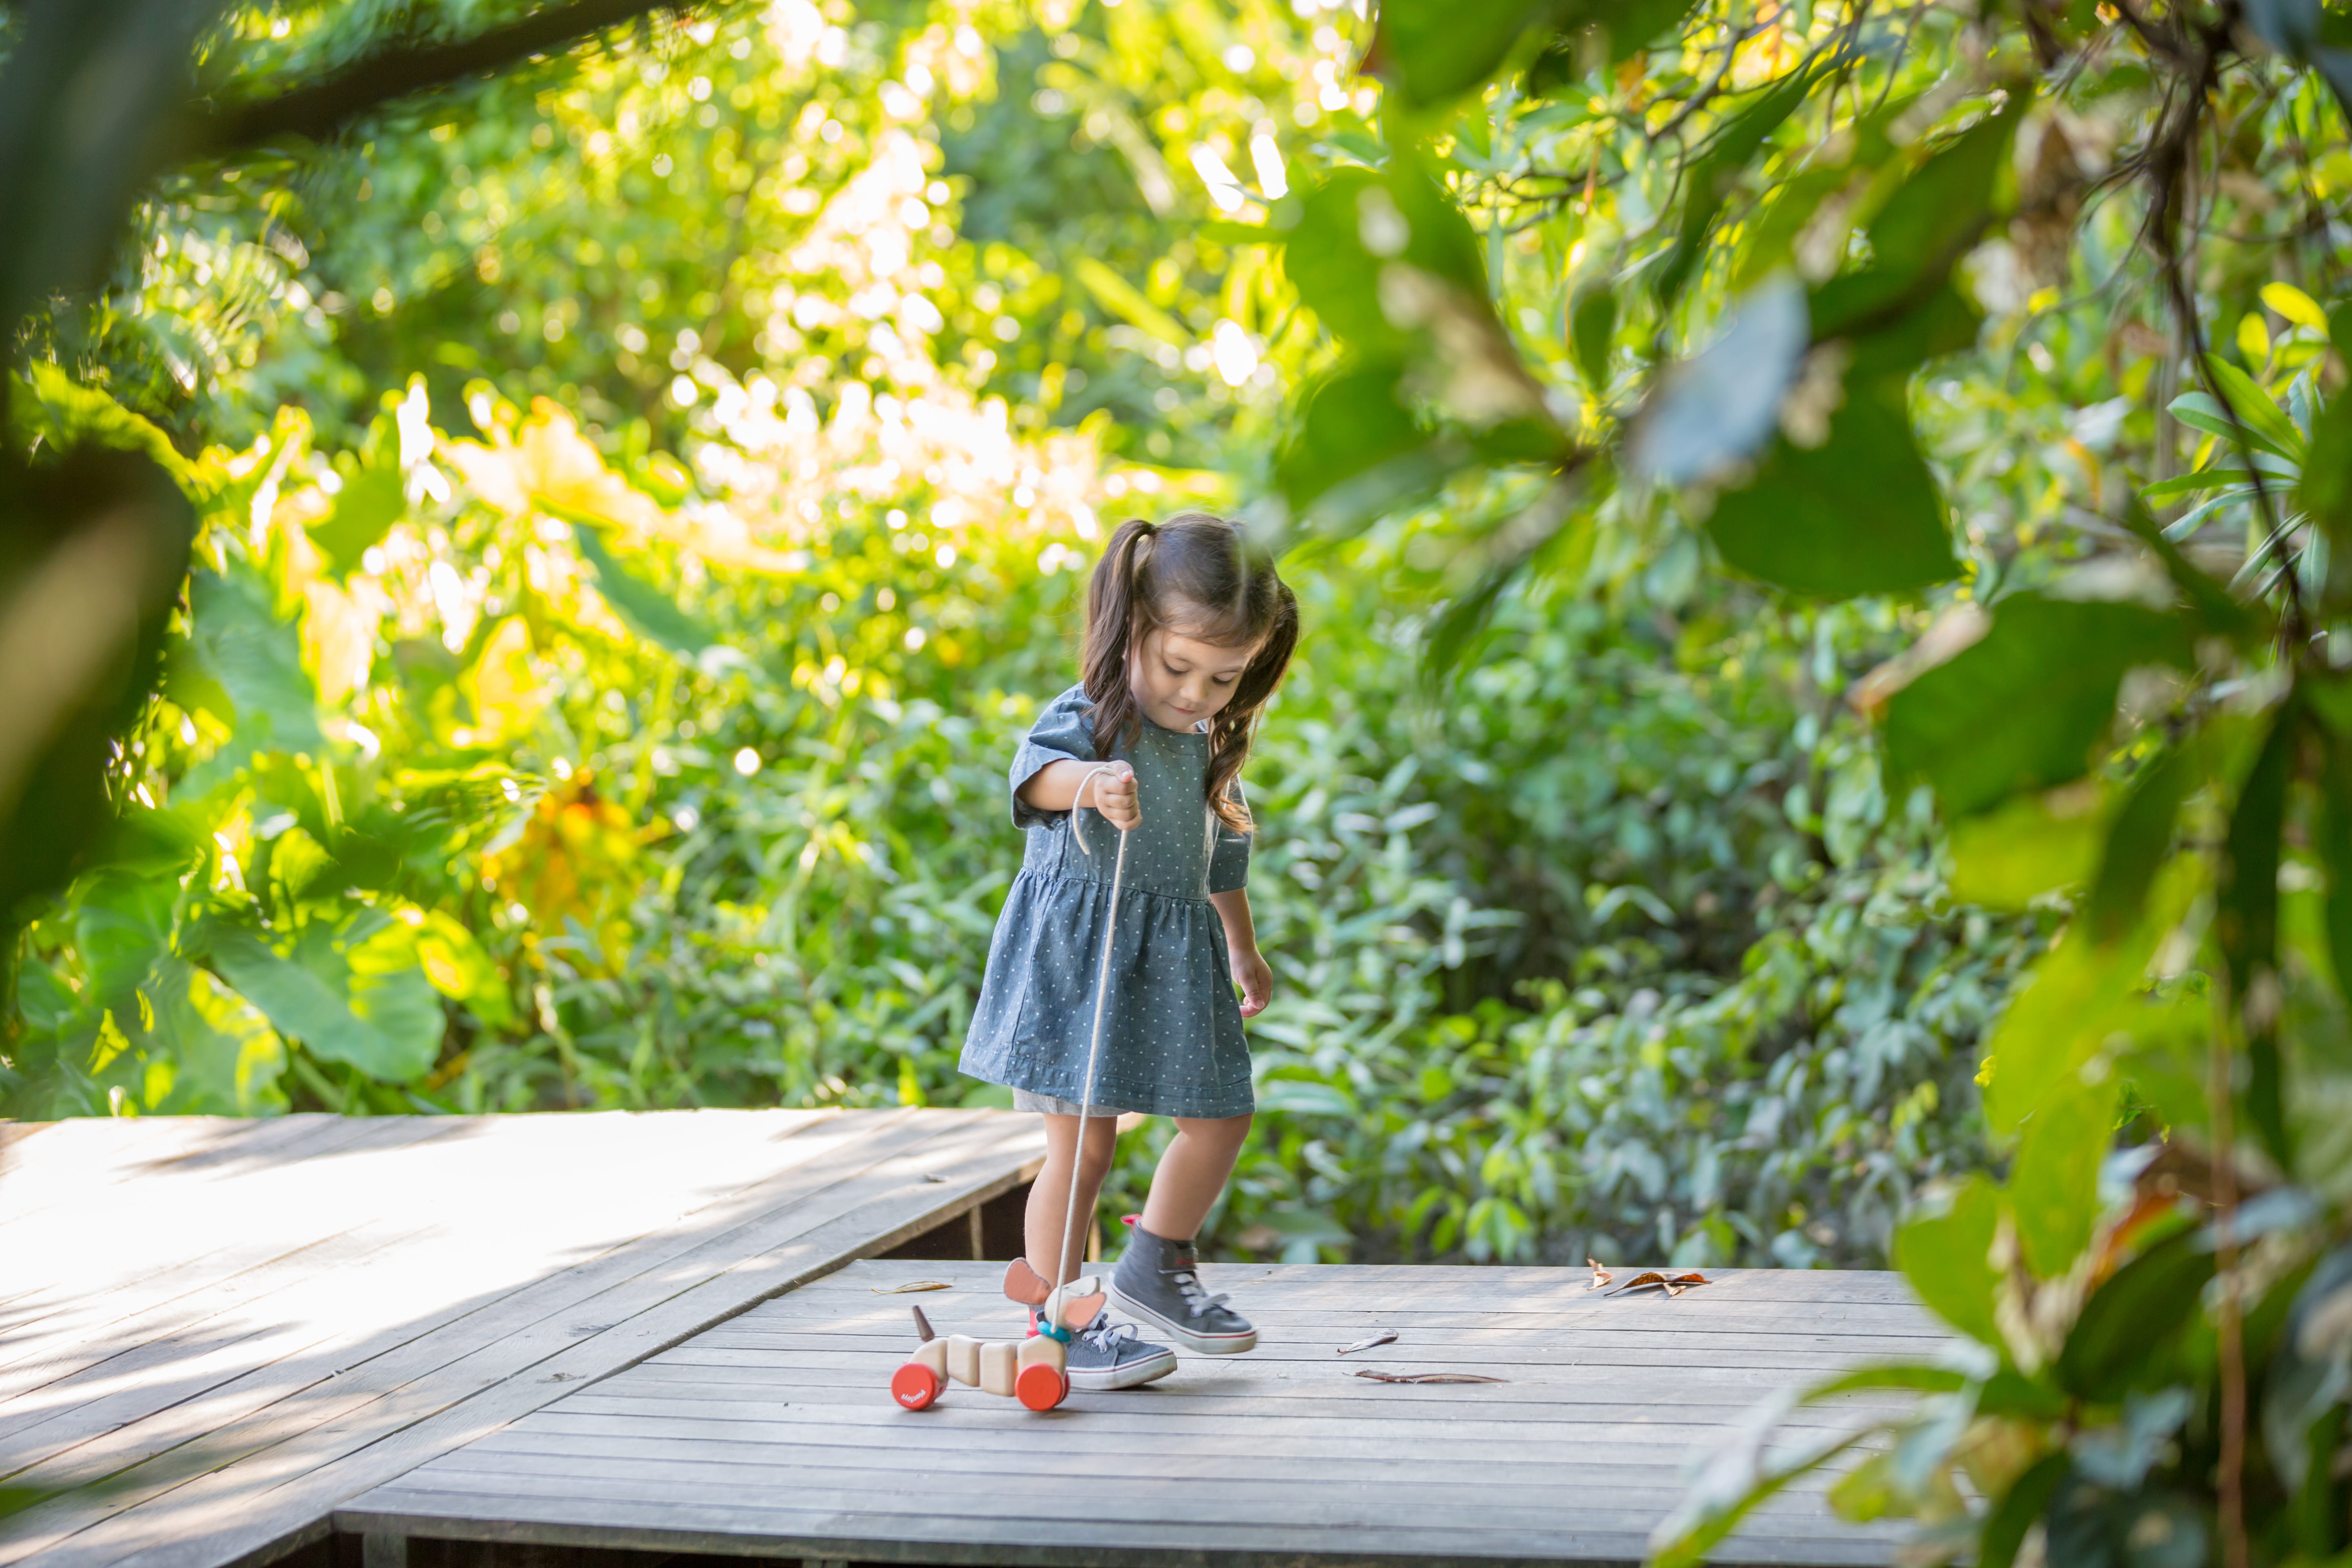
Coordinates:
915 1385
1040 1387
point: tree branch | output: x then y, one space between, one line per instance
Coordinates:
321 108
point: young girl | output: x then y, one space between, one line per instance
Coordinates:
1188 632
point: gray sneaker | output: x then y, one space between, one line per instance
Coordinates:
1157 1281
1105 1354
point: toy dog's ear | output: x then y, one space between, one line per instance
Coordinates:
1023 1284
1078 1312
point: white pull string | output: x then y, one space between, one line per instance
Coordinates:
1094 1047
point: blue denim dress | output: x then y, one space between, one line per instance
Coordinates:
1172 1042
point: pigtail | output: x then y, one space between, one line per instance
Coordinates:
1231 730
1116 608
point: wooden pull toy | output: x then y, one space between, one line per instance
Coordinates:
1033 1371
1036 1371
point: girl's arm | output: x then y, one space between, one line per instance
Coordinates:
1251 971
1055 787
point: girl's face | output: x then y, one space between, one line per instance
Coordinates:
1180 680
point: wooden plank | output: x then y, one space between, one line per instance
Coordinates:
1238 1393
772 1435
1078 1541
325 1294
208 1457
1363 1504
978 1419
375 1432
883 1319
964 1421
1313 1284
166 1250
368 1278
407 1349
817 1351
540 1447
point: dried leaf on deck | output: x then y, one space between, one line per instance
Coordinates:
1385 1337
1600 1276
1377 1375
1672 1284
911 1287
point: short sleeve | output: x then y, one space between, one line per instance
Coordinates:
1228 859
1064 732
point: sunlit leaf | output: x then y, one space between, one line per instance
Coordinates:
2022 707
2053 1185
1947 1257
2246 920
648 611
2029 846
2136 843
351 991
369 503
1858 514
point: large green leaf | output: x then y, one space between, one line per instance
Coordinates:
1585 31
1926 226
2262 421
2138 842
2246 919
2335 845
1430 51
1592 324
648 611
1354 421
370 503
2117 1342
352 991
1947 1255
218 1055
2022 707
2019 1510
2053 1185
1357 221
240 651
2324 488
2029 846
1933 217
1858 514
123 930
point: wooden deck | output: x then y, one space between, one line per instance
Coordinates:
214 1331
772 1435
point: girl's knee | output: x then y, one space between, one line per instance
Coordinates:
1224 1131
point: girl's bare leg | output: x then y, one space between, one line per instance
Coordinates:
1049 1195
1191 1174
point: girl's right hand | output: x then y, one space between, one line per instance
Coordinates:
1113 795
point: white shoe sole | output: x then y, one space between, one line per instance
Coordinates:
1198 1343
1130 1375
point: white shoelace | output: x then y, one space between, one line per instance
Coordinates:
1197 1299
1106 1334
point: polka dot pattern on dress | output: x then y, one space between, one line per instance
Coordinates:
1173 1038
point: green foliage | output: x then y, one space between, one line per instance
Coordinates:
1832 289
644 746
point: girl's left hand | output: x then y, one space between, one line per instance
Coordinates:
1256 977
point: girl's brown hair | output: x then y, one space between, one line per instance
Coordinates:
1199 575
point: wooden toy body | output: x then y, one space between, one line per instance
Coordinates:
1035 1370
